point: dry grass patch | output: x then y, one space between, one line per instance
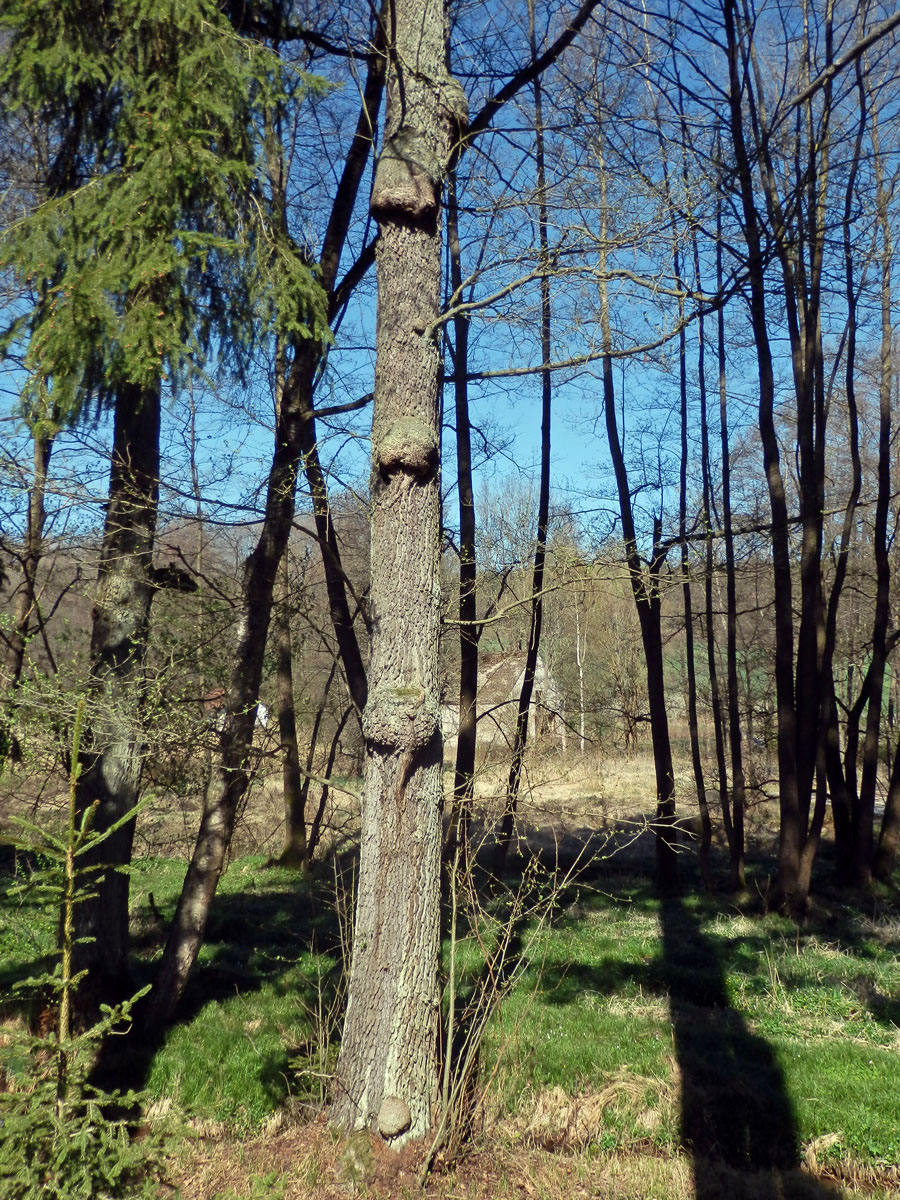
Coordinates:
309 1162
559 1121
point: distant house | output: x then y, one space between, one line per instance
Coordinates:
500 678
214 710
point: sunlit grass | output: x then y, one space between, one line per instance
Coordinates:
595 1004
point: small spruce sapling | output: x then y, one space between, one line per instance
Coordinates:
62 1138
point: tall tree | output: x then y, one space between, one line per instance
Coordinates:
733 814
295 447
536 615
469 634
149 211
387 1071
645 579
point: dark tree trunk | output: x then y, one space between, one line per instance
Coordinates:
649 613
26 613
837 786
112 744
733 821
520 737
342 618
886 855
315 829
864 815
311 758
791 825
693 723
687 600
229 777
387 1071
26 606
464 776
294 853
646 591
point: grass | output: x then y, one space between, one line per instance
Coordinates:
650 1026
709 1001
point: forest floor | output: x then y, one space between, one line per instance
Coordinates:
698 1048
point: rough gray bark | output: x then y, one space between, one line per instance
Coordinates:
112 745
388 1051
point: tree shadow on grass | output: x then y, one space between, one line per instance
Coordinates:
253 939
737 1120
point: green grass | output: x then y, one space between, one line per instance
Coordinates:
268 967
779 1030
739 1030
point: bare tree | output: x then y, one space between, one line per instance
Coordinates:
387 1071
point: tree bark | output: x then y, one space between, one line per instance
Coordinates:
886 855
315 829
388 1049
863 825
27 608
687 599
112 744
229 777
294 853
734 823
791 827
841 780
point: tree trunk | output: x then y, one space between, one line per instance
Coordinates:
520 738
791 826
315 829
26 607
228 779
294 852
687 600
646 593
112 745
342 619
734 825
467 730
864 814
649 614
387 1071
580 650
886 854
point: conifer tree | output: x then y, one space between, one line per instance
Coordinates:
151 253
